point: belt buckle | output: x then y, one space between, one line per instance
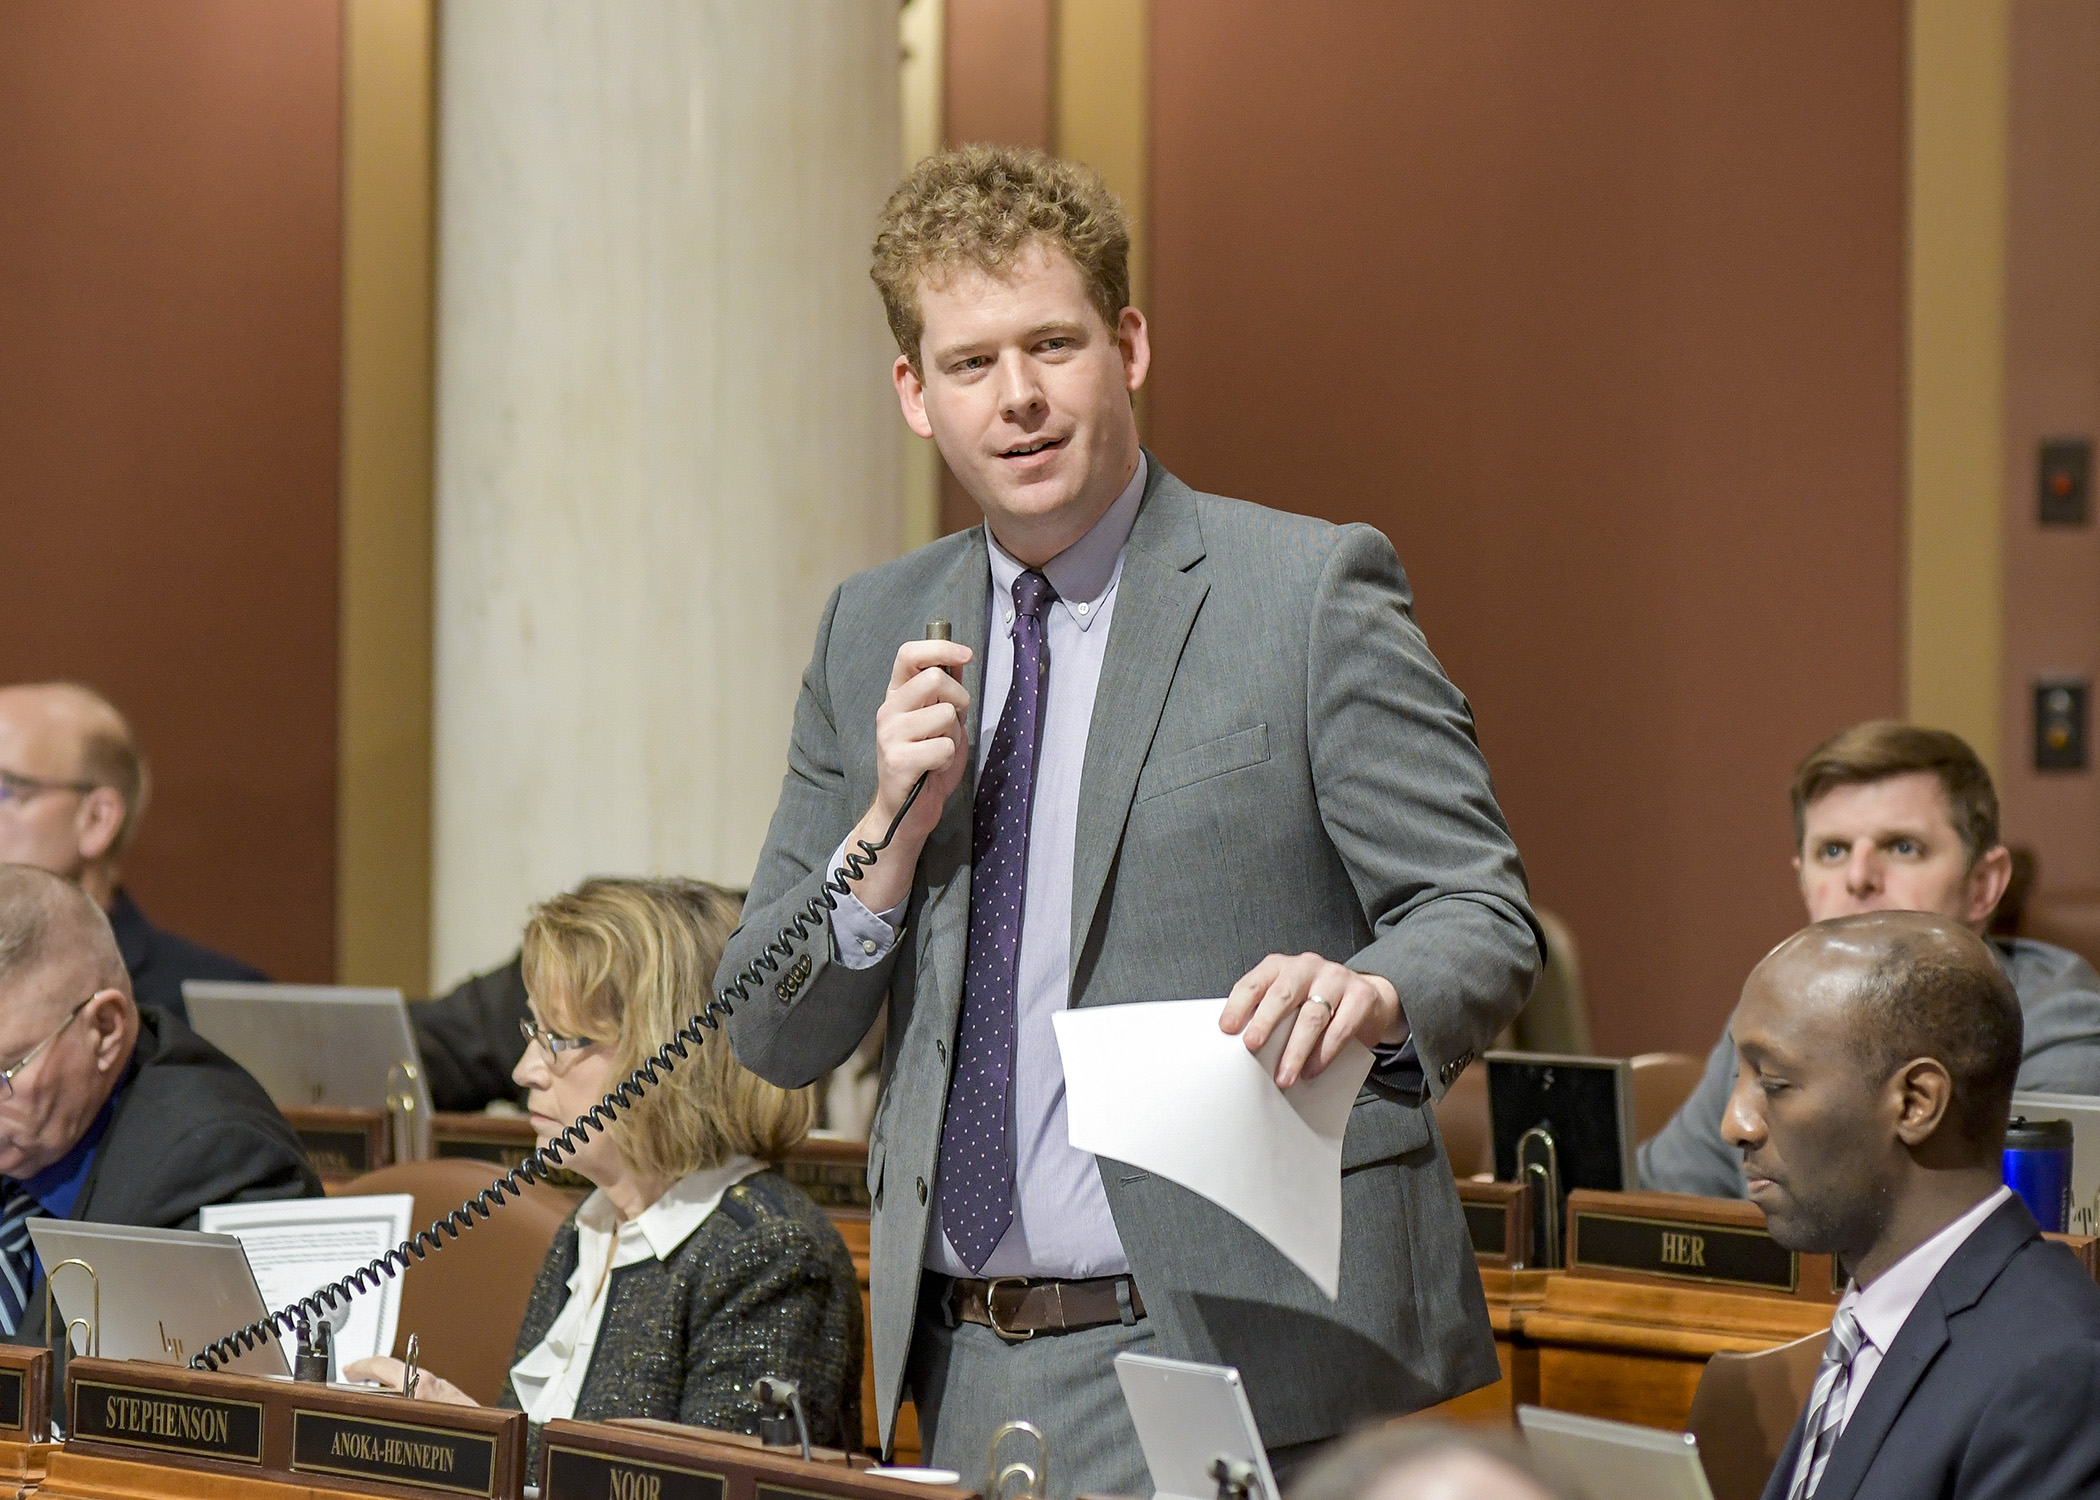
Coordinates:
991 1314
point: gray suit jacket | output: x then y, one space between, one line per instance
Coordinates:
1276 763
2059 1054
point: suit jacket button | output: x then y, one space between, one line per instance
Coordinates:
922 1190
940 1050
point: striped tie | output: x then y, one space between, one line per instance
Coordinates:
17 1256
1826 1405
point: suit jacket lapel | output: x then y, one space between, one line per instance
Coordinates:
962 598
1156 604
1961 1282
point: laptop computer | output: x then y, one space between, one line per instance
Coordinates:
1187 1415
318 1046
1614 1460
163 1294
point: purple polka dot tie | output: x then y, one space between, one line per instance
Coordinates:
977 1156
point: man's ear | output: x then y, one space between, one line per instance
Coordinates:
1925 1093
108 1019
98 822
911 396
1135 341
1988 878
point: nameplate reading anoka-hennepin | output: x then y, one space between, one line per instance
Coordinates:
141 1417
426 1458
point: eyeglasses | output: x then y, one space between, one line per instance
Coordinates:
17 790
7 1075
555 1043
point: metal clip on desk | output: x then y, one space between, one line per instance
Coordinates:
1538 1162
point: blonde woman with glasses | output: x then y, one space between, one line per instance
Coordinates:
695 1268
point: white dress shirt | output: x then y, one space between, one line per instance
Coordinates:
550 1378
1884 1307
1062 1226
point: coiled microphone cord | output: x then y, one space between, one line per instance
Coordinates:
545 1159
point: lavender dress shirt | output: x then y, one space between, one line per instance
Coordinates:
1062 1226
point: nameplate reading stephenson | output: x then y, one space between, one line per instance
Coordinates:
14 1399
206 1426
424 1458
576 1475
1716 1254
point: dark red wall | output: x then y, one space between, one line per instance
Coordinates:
169 351
1598 312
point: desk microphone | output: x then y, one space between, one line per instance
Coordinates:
774 1394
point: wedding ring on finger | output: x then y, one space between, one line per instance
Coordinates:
1324 1005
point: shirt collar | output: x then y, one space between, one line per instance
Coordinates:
1083 573
57 1187
670 1221
1884 1307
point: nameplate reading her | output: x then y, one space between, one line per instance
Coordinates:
141 1417
425 1458
576 1475
1716 1254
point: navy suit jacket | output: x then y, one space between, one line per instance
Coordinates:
1991 1390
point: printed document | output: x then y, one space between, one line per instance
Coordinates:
299 1246
1158 1085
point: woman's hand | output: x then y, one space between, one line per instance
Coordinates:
391 1372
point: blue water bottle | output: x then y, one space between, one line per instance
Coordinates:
2038 1168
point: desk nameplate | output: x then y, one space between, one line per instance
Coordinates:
1498 1221
167 1421
393 1452
574 1474
1674 1239
283 1431
25 1393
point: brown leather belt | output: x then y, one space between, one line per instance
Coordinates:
1017 1308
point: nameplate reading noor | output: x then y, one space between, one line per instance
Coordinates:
425 1458
166 1422
572 1474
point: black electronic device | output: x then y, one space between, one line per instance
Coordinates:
547 1159
1560 1122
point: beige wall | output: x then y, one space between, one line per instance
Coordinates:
383 767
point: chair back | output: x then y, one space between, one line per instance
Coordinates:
1662 1081
1462 1118
1557 1016
1746 1407
466 1301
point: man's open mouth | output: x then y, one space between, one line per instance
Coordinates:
1040 445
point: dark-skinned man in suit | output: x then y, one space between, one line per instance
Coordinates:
1877 1056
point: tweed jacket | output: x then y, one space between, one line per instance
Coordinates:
1275 763
763 1287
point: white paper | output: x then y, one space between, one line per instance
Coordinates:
297 1247
1158 1085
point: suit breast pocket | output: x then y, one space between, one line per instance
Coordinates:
1204 762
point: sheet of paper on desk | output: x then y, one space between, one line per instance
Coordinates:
1157 1085
298 1246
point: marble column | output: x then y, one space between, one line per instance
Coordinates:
665 428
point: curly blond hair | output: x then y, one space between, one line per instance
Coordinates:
626 961
984 206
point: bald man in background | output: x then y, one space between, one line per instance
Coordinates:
109 1115
73 789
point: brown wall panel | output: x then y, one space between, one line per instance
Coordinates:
169 349
1598 313
2052 389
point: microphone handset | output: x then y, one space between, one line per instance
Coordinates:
322 1303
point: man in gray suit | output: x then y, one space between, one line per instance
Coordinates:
1179 747
1891 817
